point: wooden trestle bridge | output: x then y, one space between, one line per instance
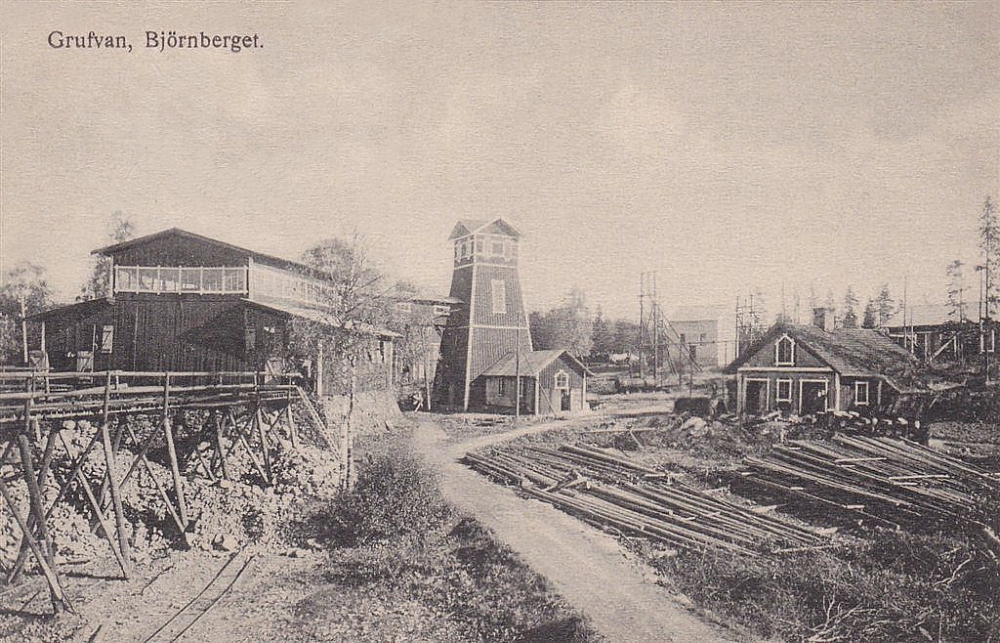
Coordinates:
244 410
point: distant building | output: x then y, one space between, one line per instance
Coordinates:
180 301
933 331
807 369
697 333
491 322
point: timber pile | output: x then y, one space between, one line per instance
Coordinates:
877 481
619 494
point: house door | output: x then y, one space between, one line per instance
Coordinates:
813 397
756 397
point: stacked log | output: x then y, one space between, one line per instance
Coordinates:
883 481
620 494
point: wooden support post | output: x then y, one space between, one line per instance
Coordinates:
37 513
156 481
116 500
168 436
101 518
293 432
59 599
217 418
262 436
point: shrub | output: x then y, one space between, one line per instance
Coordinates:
396 494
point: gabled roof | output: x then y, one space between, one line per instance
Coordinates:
114 249
79 308
465 227
855 352
532 363
320 317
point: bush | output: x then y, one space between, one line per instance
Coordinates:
395 495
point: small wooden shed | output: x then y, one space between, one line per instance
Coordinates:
551 381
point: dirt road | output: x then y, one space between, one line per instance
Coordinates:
585 565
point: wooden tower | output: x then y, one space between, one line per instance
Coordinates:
492 320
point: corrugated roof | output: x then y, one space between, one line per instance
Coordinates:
859 352
531 363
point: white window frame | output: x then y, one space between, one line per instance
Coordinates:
777 390
107 342
777 351
564 376
498 294
857 393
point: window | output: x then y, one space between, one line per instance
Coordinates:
440 309
784 391
107 338
702 337
251 337
784 351
684 338
501 387
190 279
562 380
169 280
861 393
499 292
496 248
403 307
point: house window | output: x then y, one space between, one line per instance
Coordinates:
861 393
784 351
251 337
501 387
499 291
107 338
683 338
562 380
496 248
784 391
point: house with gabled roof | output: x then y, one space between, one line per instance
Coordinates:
180 301
805 369
551 381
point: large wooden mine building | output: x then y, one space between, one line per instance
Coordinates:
486 349
180 301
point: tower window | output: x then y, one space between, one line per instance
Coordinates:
499 291
497 248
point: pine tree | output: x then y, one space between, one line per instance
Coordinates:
989 244
850 319
870 317
956 291
884 305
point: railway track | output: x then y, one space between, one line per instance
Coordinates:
184 619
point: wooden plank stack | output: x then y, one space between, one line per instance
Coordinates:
879 481
615 493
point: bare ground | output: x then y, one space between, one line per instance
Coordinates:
586 566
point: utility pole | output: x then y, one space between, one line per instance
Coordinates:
517 376
24 327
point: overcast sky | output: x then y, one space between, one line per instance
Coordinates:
728 146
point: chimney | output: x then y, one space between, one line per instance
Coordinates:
823 318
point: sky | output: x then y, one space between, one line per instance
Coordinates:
730 147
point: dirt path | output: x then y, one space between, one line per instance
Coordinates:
585 565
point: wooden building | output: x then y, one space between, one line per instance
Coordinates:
491 322
551 381
180 301
935 332
805 369
696 330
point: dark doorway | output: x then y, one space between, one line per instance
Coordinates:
813 397
756 402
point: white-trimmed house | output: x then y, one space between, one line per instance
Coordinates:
552 381
806 369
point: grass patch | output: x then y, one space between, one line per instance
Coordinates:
397 548
892 587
